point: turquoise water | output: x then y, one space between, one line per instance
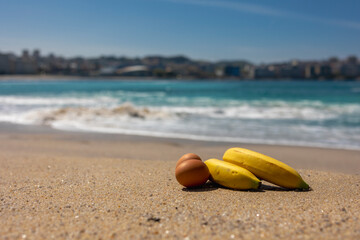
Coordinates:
276 112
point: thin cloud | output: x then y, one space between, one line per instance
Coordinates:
243 7
267 11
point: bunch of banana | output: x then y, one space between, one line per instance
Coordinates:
241 169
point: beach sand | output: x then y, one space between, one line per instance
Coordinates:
95 186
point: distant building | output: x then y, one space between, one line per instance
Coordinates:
36 55
232 71
248 72
219 72
352 60
107 71
349 70
325 71
335 65
25 67
264 72
316 71
292 70
25 55
177 67
7 63
137 70
310 72
10 64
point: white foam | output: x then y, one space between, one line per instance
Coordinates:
276 122
247 111
51 101
49 115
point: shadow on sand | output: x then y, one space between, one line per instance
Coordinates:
266 187
210 186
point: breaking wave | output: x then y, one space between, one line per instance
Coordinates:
199 112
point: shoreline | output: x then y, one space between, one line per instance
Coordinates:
48 129
319 158
149 78
67 77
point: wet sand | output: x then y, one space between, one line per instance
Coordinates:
89 186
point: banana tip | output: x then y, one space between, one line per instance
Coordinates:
304 187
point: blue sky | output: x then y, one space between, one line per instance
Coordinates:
259 31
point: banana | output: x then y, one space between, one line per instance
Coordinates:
266 168
231 176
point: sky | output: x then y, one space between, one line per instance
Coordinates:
254 30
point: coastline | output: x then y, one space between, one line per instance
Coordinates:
119 78
124 146
57 184
67 77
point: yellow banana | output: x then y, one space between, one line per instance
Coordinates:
231 176
266 168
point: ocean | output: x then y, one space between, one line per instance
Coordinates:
300 113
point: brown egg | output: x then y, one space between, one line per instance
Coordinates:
186 157
192 173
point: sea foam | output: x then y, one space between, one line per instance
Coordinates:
230 112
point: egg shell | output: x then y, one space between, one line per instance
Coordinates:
192 173
186 157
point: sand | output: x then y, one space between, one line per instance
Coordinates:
95 186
